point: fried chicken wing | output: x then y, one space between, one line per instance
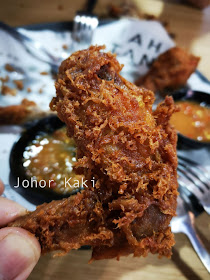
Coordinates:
170 70
130 153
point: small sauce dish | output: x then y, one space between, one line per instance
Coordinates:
43 159
193 121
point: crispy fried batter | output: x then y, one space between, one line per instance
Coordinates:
170 70
128 149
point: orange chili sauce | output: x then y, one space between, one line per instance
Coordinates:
52 157
193 120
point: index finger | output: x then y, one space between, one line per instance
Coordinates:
1 187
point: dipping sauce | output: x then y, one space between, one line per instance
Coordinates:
51 157
193 120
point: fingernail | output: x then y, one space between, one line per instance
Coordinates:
18 256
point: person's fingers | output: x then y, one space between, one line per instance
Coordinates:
1 187
19 253
9 211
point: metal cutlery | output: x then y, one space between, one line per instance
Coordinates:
196 179
184 223
193 179
85 22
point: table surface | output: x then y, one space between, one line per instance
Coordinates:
192 30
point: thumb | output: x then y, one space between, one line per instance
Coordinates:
19 253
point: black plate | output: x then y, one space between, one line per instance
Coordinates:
199 97
44 126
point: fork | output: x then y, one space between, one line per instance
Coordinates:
195 178
184 223
85 22
200 170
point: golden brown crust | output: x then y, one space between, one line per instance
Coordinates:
170 70
128 149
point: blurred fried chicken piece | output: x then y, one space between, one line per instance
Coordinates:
170 70
17 114
128 149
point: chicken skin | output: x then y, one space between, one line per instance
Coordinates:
130 153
